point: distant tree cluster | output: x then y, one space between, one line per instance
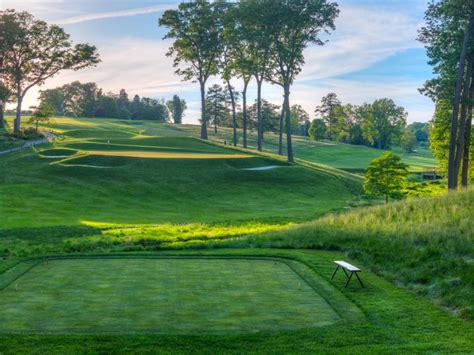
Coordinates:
87 100
449 39
248 39
379 124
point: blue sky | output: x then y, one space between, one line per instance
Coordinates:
372 54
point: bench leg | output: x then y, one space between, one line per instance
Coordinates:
349 280
360 281
334 273
345 272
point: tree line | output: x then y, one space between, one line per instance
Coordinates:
380 124
261 40
220 108
88 100
448 36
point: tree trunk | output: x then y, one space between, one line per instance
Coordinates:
467 140
282 117
452 177
234 118
259 114
462 119
17 122
2 116
289 145
244 114
203 110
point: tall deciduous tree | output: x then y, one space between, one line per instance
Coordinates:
384 123
295 24
448 36
256 22
327 111
196 29
35 51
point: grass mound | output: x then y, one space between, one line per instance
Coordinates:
425 244
58 153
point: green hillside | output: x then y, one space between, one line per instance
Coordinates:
352 158
120 172
425 244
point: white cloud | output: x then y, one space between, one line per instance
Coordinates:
112 14
364 36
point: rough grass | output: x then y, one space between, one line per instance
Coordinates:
425 244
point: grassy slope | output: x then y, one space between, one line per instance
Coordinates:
348 157
425 244
102 183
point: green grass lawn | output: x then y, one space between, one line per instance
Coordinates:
111 172
348 157
380 318
183 296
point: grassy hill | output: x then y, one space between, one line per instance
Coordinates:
112 173
424 244
348 157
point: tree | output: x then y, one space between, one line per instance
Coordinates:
346 119
5 96
295 25
327 111
439 142
409 141
317 129
216 106
298 118
385 176
269 116
123 102
255 20
196 29
240 53
54 98
35 51
176 107
135 106
448 35
384 123
42 114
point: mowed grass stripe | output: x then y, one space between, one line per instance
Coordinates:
171 296
166 155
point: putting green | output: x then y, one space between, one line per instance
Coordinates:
172 296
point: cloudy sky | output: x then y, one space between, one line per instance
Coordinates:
372 54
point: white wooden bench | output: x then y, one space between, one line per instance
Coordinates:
351 268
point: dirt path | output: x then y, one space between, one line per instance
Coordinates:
48 137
